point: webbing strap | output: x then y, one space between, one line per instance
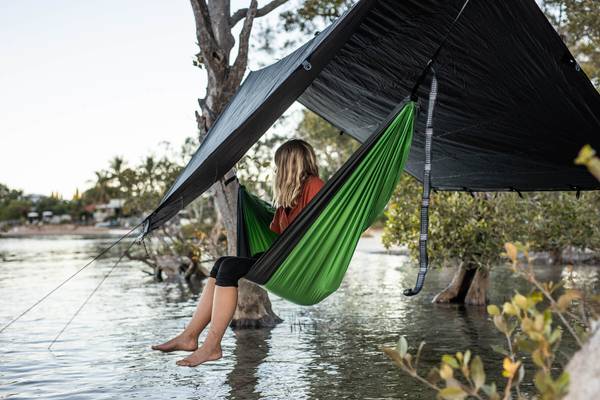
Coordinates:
423 257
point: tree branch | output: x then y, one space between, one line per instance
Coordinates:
261 12
204 32
145 260
241 61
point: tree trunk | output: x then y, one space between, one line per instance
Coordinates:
556 256
468 286
477 293
254 307
214 24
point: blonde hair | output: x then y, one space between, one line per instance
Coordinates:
295 161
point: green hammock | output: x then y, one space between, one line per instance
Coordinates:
315 266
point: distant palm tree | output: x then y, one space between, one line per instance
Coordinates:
101 191
116 172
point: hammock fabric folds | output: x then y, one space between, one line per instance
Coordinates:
315 265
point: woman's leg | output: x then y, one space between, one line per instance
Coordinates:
224 304
188 339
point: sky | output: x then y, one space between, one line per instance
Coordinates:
82 81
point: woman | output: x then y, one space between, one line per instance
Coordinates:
296 183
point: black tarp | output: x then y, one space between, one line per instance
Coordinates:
513 106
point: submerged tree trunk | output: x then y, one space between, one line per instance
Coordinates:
556 256
468 286
214 25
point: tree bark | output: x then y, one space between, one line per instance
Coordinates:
214 23
556 256
477 293
254 307
468 286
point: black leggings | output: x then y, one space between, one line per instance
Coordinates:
228 270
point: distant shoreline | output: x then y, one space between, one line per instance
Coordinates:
61 230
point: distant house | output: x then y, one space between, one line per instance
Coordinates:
33 217
60 219
111 210
47 216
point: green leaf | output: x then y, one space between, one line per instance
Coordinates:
452 393
493 310
499 350
467 357
541 381
402 346
490 389
520 301
500 323
536 297
509 309
450 360
477 372
556 334
526 345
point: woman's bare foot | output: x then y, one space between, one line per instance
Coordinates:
180 342
202 355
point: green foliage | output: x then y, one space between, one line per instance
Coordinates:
7 194
14 210
303 18
555 221
333 148
255 169
142 185
469 228
462 227
578 22
12 204
527 323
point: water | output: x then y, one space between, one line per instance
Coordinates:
328 351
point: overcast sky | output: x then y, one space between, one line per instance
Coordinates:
84 81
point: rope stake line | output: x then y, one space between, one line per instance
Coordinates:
69 278
423 256
91 294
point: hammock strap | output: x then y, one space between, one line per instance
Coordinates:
423 257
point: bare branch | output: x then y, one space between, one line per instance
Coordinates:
145 260
241 61
204 32
261 12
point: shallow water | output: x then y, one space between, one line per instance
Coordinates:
328 351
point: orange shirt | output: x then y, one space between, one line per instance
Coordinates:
282 219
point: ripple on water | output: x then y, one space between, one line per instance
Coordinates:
328 351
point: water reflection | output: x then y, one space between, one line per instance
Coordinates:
251 349
328 351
